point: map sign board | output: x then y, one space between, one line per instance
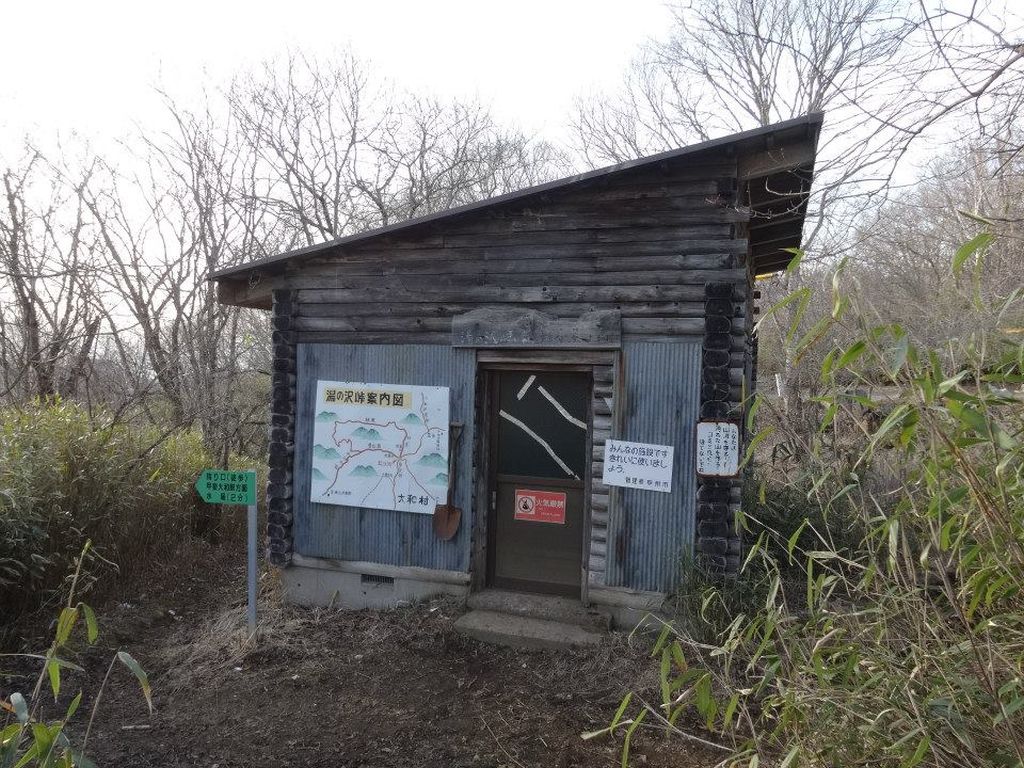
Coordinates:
718 449
638 465
381 446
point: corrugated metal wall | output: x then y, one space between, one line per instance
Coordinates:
651 531
376 535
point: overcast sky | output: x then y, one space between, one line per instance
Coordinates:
91 66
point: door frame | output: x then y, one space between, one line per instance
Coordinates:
485 472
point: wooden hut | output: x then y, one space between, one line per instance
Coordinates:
566 365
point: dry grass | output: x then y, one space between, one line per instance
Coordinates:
397 688
221 641
216 644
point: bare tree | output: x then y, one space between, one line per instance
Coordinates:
886 72
342 151
214 177
442 155
48 318
732 65
165 228
110 275
902 264
308 152
967 67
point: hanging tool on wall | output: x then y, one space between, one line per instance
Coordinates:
447 516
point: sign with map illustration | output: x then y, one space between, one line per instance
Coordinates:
381 446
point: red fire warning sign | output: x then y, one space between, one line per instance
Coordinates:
540 506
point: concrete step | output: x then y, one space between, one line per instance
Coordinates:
548 607
524 632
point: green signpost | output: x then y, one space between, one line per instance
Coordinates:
220 486
223 486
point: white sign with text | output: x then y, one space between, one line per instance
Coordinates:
718 449
638 465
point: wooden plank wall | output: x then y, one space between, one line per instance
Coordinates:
643 243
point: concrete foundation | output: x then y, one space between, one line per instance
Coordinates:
354 585
365 585
545 607
629 609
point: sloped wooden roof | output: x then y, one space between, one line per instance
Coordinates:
776 162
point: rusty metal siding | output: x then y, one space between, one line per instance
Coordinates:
376 535
651 531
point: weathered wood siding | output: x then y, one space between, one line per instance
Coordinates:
643 243
604 407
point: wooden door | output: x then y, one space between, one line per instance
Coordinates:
539 429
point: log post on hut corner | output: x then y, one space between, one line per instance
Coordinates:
280 514
718 536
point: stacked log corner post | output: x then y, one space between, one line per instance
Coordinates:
718 539
280 513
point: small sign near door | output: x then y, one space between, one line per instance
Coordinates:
718 449
638 465
540 506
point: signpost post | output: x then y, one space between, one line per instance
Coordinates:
221 486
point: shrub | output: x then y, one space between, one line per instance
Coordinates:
66 476
779 520
703 607
32 739
781 517
904 647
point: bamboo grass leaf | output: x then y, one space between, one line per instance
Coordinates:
629 737
125 658
92 626
53 672
794 263
919 753
790 757
853 352
73 706
977 243
621 710
65 623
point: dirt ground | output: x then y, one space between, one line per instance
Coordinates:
321 687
